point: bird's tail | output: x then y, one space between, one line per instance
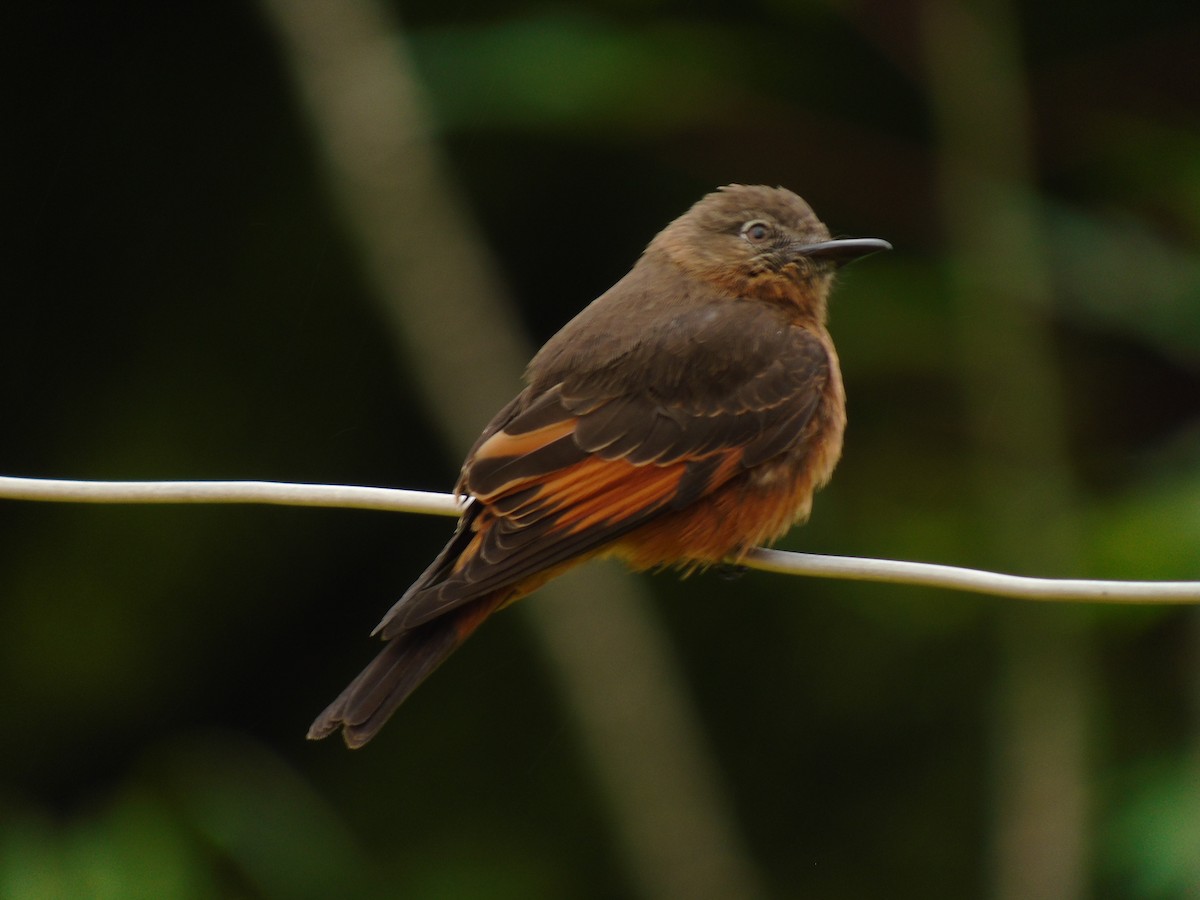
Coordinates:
407 660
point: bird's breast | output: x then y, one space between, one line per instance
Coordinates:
754 507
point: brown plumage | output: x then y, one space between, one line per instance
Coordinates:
683 418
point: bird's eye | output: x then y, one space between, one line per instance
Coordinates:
756 231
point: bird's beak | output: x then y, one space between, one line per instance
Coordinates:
843 250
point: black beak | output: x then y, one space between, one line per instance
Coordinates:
843 250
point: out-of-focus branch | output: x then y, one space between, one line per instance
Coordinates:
1014 409
441 298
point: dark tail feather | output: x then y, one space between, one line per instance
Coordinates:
407 660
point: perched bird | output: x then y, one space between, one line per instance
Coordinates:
684 417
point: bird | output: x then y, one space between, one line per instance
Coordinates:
684 417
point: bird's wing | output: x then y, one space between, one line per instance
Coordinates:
565 472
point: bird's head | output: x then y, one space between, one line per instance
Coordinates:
761 242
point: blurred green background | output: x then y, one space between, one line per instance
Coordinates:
184 300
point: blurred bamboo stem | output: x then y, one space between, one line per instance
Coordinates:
440 294
778 561
1016 412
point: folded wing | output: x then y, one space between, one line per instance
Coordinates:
569 468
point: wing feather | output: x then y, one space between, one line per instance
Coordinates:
576 463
